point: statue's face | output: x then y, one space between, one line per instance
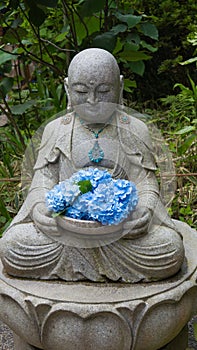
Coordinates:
94 91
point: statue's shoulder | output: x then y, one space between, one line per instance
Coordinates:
57 126
135 125
62 120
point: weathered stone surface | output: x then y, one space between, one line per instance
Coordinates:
148 246
113 316
83 293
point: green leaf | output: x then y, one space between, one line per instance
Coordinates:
118 46
54 215
185 130
134 38
60 37
13 4
133 56
106 41
120 28
2 6
128 84
131 46
148 46
195 330
3 219
130 19
3 210
21 108
137 67
47 3
187 144
181 86
16 23
6 85
92 24
84 186
150 30
4 57
36 16
10 37
91 6
191 60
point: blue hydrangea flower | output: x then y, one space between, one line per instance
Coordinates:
61 196
109 202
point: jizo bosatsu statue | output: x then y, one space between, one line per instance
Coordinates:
94 133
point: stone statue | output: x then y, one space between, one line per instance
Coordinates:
94 133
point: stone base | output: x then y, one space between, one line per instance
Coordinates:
53 315
179 343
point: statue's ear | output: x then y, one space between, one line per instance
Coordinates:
69 107
121 89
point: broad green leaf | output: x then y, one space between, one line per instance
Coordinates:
62 55
91 6
84 186
118 46
148 46
128 84
47 3
6 85
60 37
131 46
91 25
137 67
130 19
21 108
106 41
2 5
119 28
134 55
5 57
36 15
185 130
150 30
10 37
134 38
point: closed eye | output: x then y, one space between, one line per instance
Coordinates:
103 88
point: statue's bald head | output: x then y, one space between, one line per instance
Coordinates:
94 83
92 63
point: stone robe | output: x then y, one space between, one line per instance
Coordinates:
154 255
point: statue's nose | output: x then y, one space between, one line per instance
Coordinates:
92 98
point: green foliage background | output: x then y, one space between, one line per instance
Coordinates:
149 40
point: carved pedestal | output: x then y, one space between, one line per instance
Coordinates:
53 315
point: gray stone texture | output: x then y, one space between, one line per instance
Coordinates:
78 285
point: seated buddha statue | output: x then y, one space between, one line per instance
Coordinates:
95 132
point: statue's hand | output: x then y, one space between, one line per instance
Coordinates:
138 223
43 221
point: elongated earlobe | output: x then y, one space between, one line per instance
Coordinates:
121 89
69 106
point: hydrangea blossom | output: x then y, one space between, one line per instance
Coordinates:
109 201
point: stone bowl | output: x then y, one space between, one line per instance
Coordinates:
87 234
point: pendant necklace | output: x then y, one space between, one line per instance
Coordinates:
96 154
